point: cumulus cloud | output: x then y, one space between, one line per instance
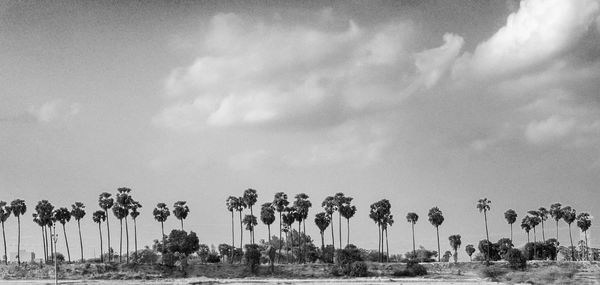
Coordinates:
53 110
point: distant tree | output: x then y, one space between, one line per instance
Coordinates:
584 222
203 252
78 213
280 202
106 203
39 222
249 198
18 208
322 221
556 213
161 213
181 211
543 215
134 213
330 206
120 213
470 249
412 218
267 216
240 206
250 222
380 213
511 217
436 218
347 211
288 220
446 256
62 215
534 221
455 243
44 210
182 242
504 245
5 212
302 205
388 220
340 199
526 226
569 215
99 217
124 201
484 206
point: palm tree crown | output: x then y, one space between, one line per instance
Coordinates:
181 211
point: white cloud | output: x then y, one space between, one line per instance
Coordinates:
549 130
433 64
53 110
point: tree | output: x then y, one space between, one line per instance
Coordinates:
5 212
161 213
412 218
182 242
526 226
106 203
380 213
470 249
388 220
302 206
250 222
249 198
120 213
45 210
584 222
124 201
288 219
569 215
240 206
280 202
484 206
329 206
436 218
18 208
322 221
38 221
134 213
543 214
78 213
347 211
267 216
62 215
556 213
534 221
231 203
340 200
455 243
99 217
511 217
181 211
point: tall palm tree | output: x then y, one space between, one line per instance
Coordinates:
45 211
250 222
340 199
436 218
181 211
5 212
543 214
569 216
250 197
231 204
62 215
134 213
347 211
380 213
455 243
534 221
329 206
302 205
584 223
388 220
525 225
556 213
412 218
39 222
106 203
484 206
18 208
322 220
511 217
279 203
267 216
124 201
288 220
99 217
78 213
120 213
240 207
161 213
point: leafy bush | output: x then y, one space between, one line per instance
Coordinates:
213 258
182 242
359 269
493 249
145 256
493 272
169 259
540 250
413 268
516 259
252 257
327 254
348 255
422 255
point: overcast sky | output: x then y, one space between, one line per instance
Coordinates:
425 103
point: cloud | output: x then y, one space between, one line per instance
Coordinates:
433 64
53 110
549 130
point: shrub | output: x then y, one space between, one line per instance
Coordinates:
252 257
413 268
516 259
213 258
169 259
493 272
359 269
348 255
494 250
145 256
422 255
327 254
540 250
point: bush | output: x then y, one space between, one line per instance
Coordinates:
540 250
348 255
516 259
252 257
422 255
169 259
413 268
493 248
145 256
327 254
359 269
213 258
493 272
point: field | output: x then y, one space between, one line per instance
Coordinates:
539 272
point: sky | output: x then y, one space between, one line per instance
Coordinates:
425 103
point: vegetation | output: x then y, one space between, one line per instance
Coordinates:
436 218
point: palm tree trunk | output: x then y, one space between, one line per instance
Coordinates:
66 243
413 236
4 237
269 228
378 242
127 238
164 245
47 242
135 237
572 248
80 240
101 249
299 243
52 244
332 233
438 240
121 242
252 229
340 228
534 236
348 228
280 242
43 242
232 237
387 246
487 235
556 230
511 233
19 240
304 239
527 237
322 242
543 235
241 232
108 235
181 224
587 249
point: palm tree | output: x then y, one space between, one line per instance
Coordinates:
388 220
240 207
18 208
484 205
231 204
267 216
124 201
45 211
250 197
4 214
302 206
470 249
329 206
380 213
279 203
62 215
161 213
525 224
455 243
250 222
533 222
120 213
340 199
181 211
556 213
106 203
99 217
288 220
569 216
511 217
584 223
543 214
322 221
436 218
347 211
412 218
135 205
78 213
39 222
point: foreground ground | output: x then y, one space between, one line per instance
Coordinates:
540 272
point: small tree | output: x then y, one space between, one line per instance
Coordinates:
267 216
470 249
584 222
322 221
412 218
455 243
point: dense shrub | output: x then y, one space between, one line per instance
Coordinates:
349 262
413 268
327 254
493 272
359 269
493 249
540 250
348 255
422 255
252 257
213 258
145 256
169 259
516 259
